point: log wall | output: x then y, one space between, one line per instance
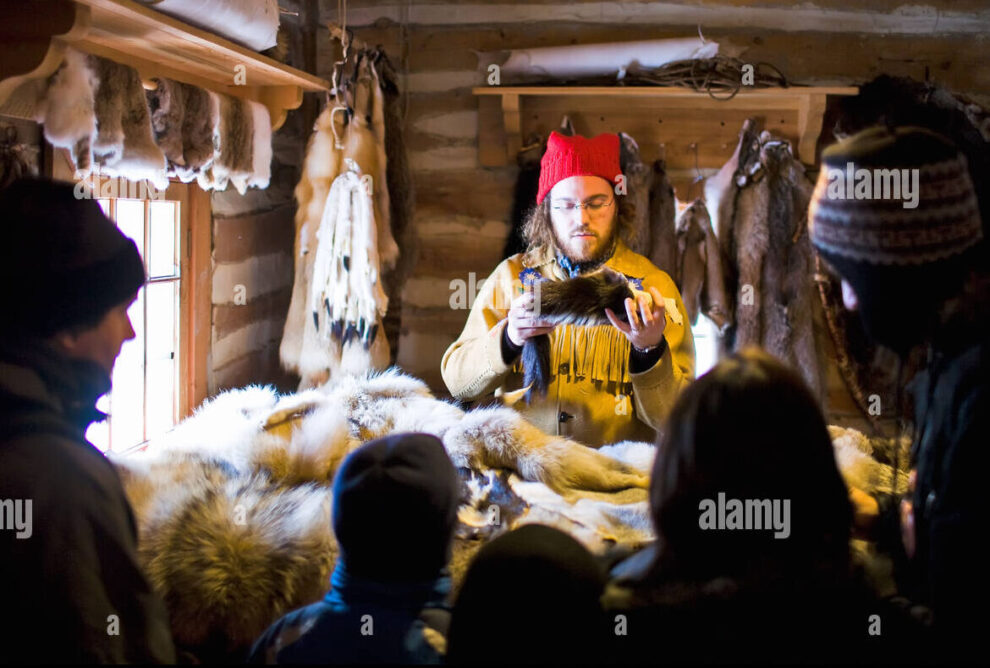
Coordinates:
462 209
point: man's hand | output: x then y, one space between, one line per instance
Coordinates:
646 322
524 322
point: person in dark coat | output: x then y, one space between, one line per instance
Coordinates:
72 588
395 503
531 596
751 561
909 266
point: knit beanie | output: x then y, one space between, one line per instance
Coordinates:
63 262
578 156
395 503
894 212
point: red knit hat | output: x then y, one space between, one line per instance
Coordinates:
578 156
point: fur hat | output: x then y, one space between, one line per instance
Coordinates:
64 263
395 505
893 212
578 156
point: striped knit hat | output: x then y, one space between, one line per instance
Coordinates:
894 212
894 197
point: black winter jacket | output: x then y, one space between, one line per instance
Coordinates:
70 583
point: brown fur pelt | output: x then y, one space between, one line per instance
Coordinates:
638 177
167 103
662 215
234 161
233 505
699 267
184 118
124 144
762 207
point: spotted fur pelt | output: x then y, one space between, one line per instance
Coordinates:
124 144
233 505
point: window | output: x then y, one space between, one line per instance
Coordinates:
145 400
705 345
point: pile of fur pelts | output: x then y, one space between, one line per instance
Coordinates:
233 505
100 111
354 203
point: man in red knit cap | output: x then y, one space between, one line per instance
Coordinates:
608 382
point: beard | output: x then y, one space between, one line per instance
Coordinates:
584 250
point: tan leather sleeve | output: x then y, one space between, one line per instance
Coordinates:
656 389
473 367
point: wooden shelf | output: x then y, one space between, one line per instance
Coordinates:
153 43
690 129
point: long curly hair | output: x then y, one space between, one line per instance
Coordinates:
538 228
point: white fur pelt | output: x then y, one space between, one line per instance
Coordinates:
66 109
300 350
233 507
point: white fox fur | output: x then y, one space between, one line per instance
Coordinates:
233 505
66 109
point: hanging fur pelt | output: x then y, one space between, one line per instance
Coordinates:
125 143
638 178
97 109
699 267
347 270
401 197
662 214
578 301
66 109
301 350
762 230
184 118
233 162
362 146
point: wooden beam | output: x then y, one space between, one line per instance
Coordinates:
513 126
810 114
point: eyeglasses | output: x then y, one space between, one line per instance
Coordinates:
593 207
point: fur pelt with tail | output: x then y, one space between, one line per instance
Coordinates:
300 350
577 301
233 511
124 144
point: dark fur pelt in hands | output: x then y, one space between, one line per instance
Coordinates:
577 301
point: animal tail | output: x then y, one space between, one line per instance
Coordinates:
536 365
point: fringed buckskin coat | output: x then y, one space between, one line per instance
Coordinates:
593 397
